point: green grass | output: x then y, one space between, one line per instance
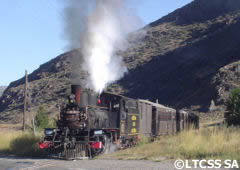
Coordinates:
215 143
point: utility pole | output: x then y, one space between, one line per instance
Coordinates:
25 99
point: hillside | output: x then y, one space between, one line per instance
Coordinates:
186 59
227 78
178 59
48 86
2 88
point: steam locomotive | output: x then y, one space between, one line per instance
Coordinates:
92 124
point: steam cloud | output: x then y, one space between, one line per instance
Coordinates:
99 29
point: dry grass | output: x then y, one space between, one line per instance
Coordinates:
212 123
6 138
206 143
218 143
19 143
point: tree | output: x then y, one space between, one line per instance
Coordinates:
232 116
41 119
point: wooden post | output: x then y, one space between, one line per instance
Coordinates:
33 123
25 100
59 111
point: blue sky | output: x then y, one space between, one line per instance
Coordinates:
31 32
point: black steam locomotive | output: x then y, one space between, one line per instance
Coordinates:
91 124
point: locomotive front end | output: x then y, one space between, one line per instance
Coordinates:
74 137
69 138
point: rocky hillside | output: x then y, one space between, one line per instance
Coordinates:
48 86
187 59
2 88
177 60
226 79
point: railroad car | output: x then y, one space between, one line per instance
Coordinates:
91 124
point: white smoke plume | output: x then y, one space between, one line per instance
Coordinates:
99 28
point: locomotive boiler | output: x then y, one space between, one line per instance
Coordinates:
91 124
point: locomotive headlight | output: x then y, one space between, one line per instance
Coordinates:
48 132
98 132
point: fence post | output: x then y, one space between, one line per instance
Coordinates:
33 123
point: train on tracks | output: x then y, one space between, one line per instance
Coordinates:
91 124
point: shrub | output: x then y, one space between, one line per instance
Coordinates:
6 137
20 144
41 119
26 145
232 115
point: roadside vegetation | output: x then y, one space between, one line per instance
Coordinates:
20 144
232 115
43 121
208 143
16 142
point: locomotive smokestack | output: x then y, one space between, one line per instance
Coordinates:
76 90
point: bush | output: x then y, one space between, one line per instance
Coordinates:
26 145
41 119
232 115
6 137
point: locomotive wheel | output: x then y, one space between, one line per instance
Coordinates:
109 147
106 144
